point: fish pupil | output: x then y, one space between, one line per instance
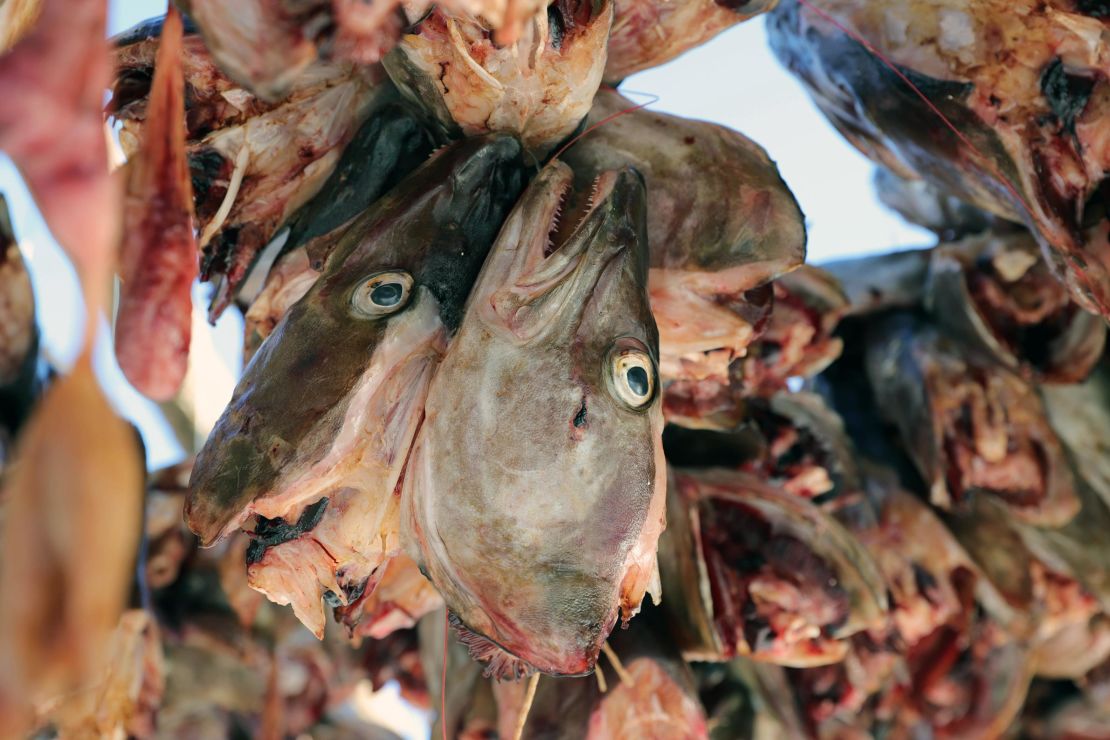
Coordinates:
637 380
387 294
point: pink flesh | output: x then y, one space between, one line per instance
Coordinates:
159 252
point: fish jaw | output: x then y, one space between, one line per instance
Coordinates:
533 551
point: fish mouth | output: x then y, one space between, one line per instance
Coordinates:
503 664
564 232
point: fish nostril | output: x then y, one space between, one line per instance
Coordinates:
580 417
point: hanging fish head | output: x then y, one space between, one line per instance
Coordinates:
333 397
534 498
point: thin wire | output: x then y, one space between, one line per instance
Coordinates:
603 121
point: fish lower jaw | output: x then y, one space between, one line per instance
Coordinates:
500 664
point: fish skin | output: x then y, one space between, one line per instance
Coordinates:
534 497
159 257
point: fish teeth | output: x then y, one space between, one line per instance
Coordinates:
500 665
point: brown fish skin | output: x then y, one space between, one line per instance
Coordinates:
647 33
54 132
320 471
158 259
534 494
72 520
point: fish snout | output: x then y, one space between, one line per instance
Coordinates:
226 478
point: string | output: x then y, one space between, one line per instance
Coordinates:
608 118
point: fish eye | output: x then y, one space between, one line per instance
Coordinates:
633 376
382 294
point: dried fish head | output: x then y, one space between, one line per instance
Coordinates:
534 496
538 87
363 344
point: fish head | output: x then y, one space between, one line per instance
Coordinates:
541 536
338 388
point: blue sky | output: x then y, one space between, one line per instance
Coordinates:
733 80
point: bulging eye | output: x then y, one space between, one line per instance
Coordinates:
382 294
633 376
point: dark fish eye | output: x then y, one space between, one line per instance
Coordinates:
382 294
637 378
387 294
632 375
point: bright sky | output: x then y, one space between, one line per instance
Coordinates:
733 80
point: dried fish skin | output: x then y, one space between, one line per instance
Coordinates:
996 295
559 322
967 426
1080 415
878 283
719 213
721 224
647 33
539 87
1024 84
392 142
762 573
